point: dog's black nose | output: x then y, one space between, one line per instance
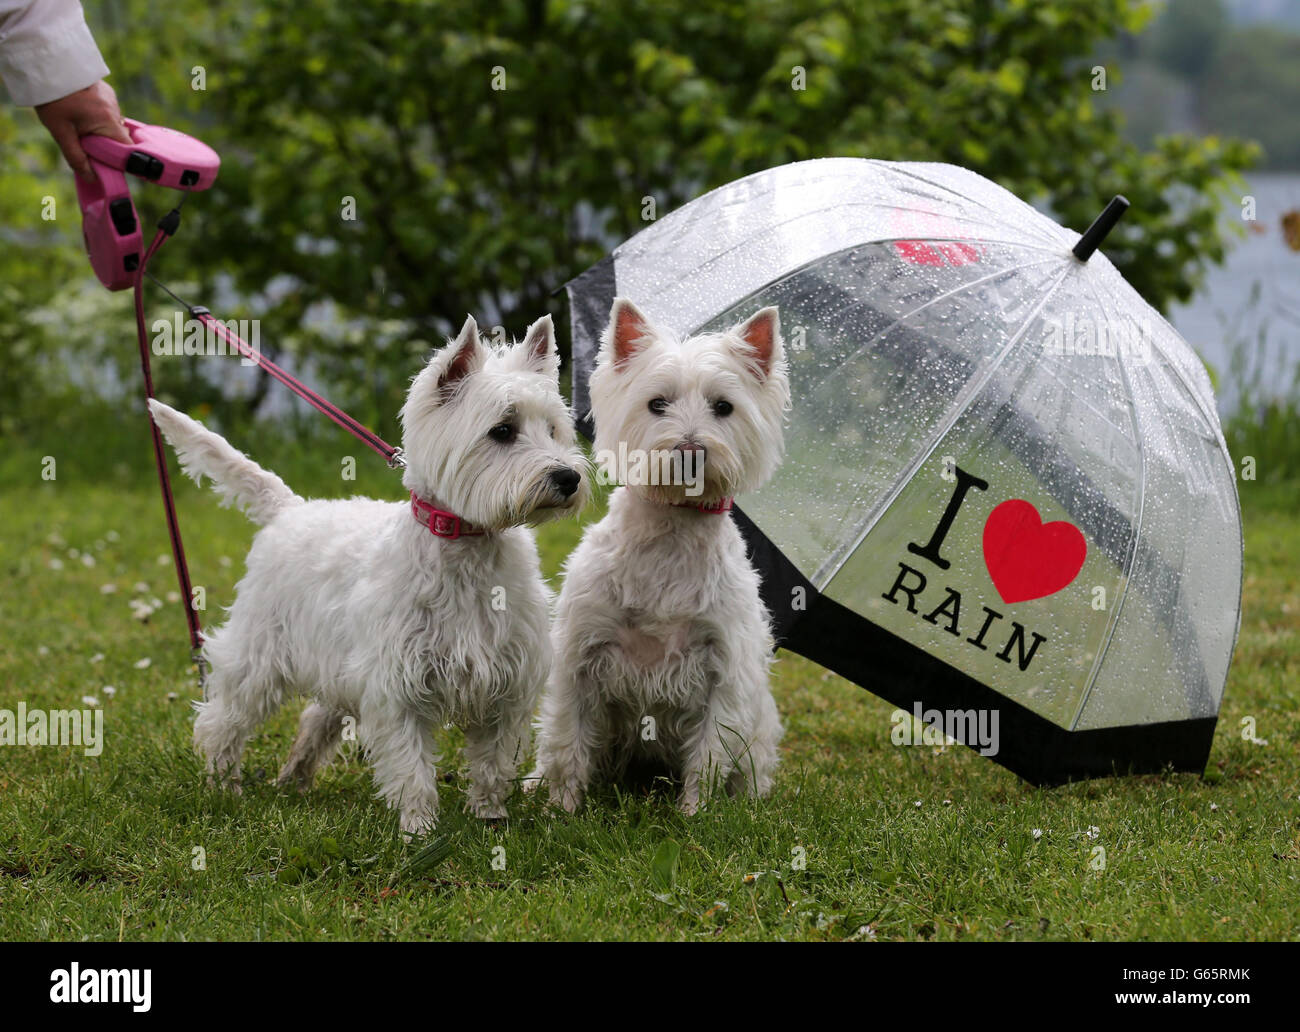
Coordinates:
566 480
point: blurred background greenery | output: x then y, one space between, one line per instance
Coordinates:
483 200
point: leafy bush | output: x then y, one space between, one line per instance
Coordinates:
470 198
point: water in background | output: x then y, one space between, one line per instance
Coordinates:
1227 311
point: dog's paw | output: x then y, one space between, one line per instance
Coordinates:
488 810
688 805
226 783
417 824
569 798
295 779
532 783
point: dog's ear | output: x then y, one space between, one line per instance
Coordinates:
628 332
458 359
761 333
539 346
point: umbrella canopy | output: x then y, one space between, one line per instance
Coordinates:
1005 491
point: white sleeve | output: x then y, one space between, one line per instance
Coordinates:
46 50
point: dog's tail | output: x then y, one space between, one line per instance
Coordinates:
239 480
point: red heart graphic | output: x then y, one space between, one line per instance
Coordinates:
919 252
1028 558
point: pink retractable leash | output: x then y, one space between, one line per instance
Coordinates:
114 242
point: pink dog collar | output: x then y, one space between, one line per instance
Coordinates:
441 523
722 505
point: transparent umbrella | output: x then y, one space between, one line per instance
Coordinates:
1006 494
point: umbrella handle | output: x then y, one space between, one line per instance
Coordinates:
1101 226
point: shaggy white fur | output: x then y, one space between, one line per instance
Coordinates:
362 607
662 644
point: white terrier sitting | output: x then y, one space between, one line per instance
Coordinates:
402 616
662 646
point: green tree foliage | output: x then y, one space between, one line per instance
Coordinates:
1195 68
1255 81
1186 36
482 199
29 220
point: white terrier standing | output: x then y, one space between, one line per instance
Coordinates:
402 616
662 645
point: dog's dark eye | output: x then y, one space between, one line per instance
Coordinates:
502 432
722 407
658 406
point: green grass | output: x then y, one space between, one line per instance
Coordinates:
905 843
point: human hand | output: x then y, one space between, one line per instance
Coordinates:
92 110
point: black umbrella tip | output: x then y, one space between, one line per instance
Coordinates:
1101 226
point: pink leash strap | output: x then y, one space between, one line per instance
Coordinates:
391 455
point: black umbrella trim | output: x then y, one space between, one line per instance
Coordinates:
591 296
